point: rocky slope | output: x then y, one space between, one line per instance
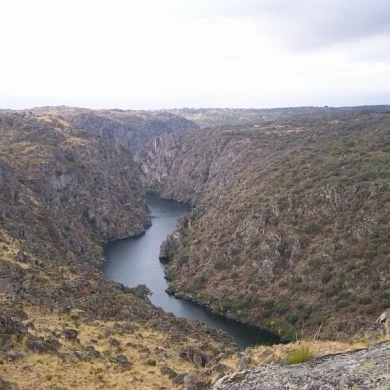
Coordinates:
291 224
365 369
128 128
63 193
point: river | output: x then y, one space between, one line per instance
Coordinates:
135 261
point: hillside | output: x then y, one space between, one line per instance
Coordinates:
291 225
214 117
129 128
63 193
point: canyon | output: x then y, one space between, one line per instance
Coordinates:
290 228
288 231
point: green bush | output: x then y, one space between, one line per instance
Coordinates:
281 307
313 228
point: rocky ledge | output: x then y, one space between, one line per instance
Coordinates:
364 369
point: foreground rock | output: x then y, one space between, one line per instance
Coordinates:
364 369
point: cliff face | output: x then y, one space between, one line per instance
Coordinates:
290 228
57 182
128 128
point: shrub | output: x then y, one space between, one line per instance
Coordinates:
221 265
299 355
330 291
340 254
370 252
224 306
313 228
315 262
293 318
307 311
272 324
281 307
299 305
326 277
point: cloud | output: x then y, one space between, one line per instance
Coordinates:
303 24
153 53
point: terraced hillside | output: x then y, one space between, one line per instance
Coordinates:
291 225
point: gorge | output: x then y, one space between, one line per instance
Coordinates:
288 230
135 261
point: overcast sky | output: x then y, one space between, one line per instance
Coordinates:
145 54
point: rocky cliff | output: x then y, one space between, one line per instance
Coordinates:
63 192
290 229
128 128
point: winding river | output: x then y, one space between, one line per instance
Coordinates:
135 261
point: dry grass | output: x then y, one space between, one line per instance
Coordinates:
9 247
299 355
46 371
275 354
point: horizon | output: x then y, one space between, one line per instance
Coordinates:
192 108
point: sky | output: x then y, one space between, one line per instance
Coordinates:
149 54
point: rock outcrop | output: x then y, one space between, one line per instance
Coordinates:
384 320
365 369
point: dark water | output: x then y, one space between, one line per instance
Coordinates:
135 261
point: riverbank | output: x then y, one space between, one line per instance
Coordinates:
270 337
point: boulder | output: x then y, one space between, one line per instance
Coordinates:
179 379
6 286
121 360
113 342
39 345
194 356
69 334
242 364
165 370
91 352
384 319
22 257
